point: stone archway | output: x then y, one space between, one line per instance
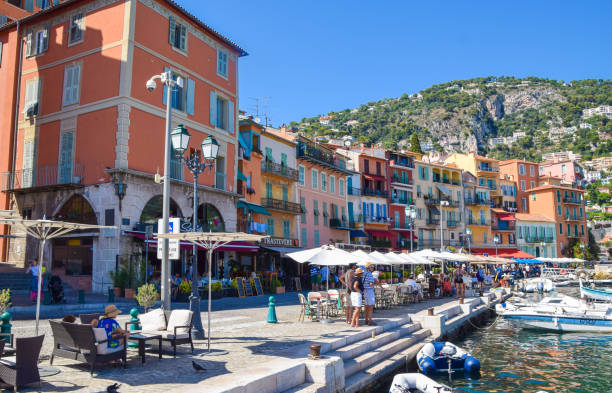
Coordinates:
153 209
77 209
210 219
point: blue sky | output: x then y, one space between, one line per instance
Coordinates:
312 57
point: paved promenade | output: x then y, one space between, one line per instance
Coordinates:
238 326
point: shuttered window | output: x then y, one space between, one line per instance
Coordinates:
77 26
222 62
177 34
222 112
27 178
32 98
66 157
37 42
72 81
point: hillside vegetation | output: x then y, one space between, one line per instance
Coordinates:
464 115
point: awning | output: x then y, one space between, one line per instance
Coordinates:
443 190
283 250
252 207
373 177
505 217
358 233
502 252
244 145
241 176
414 236
528 261
381 233
232 246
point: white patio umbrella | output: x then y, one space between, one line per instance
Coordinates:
364 256
396 260
431 254
44 230
210 241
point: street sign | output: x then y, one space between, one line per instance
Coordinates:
174 226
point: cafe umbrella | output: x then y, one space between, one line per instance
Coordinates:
210 241
45 230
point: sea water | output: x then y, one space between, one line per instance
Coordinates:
523 360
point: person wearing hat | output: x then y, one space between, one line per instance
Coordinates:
368 282
111 326
356 296
347 279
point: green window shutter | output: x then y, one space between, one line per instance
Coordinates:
189 107
284 159
269 154
213 108
172 31
230 116
183 37
285 194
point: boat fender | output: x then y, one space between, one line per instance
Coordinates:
471 365
428 366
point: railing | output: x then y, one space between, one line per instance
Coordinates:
354 224
278 204
476 201
398 180
432 221
504 226
44 176
435 243
402 162
573 218
455 182
471 221
510 209
436 202
309 150
402 201
381 243
337 223
375 193
279 170
376 220
451 224
220 181
488 169
574 200
538 239
575 234
353 191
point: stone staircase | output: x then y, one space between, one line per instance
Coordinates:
366 359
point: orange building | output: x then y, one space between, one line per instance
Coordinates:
525 174
87 136
566 206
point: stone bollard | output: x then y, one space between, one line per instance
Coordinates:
133 325
430 311
6 326
271 310
461 300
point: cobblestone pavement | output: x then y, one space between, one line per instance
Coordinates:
243 332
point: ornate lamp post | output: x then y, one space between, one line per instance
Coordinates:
468 235
410 213
196 165
496 240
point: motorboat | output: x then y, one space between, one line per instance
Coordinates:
445 356
603 294
415 382
560 314
538 284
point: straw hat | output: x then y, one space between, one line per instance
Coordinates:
359 271
368 264
111 311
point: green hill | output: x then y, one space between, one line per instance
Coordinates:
464 115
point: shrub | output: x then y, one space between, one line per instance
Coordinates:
147 296
234 284
5 300
216 286
120 278
185 286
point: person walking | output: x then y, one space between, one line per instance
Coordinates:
357 290
347 279
369 296
315 279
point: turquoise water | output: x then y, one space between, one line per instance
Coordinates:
522 360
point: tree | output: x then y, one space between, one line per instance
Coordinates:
415 145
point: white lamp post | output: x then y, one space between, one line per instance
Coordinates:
442 203
167 79
410 213
496 240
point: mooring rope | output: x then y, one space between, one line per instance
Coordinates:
485 328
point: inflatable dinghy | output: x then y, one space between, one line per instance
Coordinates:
415 382
434 357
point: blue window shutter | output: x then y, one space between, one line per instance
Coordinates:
377 210
165 97
213 108
190 96
384 211
365 210
230 116
39 3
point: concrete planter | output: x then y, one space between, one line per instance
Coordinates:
117 292
130 293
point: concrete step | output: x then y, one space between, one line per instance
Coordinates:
371 375
360 347
308 388
365 360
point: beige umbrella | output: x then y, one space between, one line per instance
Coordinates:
45 230
210 241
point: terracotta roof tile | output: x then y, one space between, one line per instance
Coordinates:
533 217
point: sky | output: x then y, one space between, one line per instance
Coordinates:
308 58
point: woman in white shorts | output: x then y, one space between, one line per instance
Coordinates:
356 296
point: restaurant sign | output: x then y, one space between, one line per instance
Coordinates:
279 242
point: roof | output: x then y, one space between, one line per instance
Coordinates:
172 3
533 217
483 158
553 186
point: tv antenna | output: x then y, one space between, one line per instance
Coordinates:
261 108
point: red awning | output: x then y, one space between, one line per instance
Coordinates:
414 236
502 252
232 246
505 217
373 177
380 233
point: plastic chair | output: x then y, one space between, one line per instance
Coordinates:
303 308
334 302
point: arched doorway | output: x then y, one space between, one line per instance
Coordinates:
154 208
73 254
210 219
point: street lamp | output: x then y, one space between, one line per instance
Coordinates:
411 213
468 234
496 240
442 203
167 80
210 148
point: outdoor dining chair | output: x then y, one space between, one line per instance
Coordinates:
24 369
316 304
334 302
303 308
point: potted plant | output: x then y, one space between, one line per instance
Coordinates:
119 281
147 296
280 288
216 290
5 300
231 291
184 291
131 280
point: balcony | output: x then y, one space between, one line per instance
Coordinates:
575 234
432 221
336 223
538 239
374 192
436 202
279 170
308 150
401 201
53 177
486 168
376 220
451 224
574 218
435 243
380 243
280 205
353 191
402 162
574 201
471 221
477 201
504 226
400 181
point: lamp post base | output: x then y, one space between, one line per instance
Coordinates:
194 306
